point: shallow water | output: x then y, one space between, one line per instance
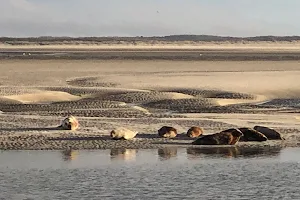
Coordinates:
169 173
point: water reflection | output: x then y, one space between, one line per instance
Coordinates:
227 152
167 153
232 152
69 154
123 154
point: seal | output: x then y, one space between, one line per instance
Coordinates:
122 134
167 132
222 138
270 133
69 123
194 132
236 132
250 134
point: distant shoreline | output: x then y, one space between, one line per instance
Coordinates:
177 47
180 42
185 52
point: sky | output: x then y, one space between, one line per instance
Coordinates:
81 18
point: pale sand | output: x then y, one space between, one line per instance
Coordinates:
140 95
180 45
43 97
257 100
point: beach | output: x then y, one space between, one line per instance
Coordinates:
144 89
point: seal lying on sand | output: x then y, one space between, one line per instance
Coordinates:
194 132
271 134
122 134
167 132
252 135
69 123
228 137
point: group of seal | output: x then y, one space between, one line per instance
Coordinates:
234 135
227 137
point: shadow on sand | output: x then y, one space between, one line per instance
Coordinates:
78 138
32 129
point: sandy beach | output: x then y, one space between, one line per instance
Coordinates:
143 94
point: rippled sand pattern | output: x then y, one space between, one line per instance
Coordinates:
143 96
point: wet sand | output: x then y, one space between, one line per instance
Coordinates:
143 94
151 54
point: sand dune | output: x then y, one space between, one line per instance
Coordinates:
43 97
259 99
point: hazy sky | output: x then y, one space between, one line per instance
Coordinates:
149 17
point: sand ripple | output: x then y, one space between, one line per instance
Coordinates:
213 93
143 97
184 105
90 82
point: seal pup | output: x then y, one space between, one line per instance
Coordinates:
250 134
270 133
167 132
194 132
122 133
69 123
221 138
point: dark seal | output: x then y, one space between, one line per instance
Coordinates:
270 133
228 137
250 134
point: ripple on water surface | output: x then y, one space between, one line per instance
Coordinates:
167 173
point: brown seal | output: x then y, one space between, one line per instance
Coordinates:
222 138
250 134
270 133
167 132
194 132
